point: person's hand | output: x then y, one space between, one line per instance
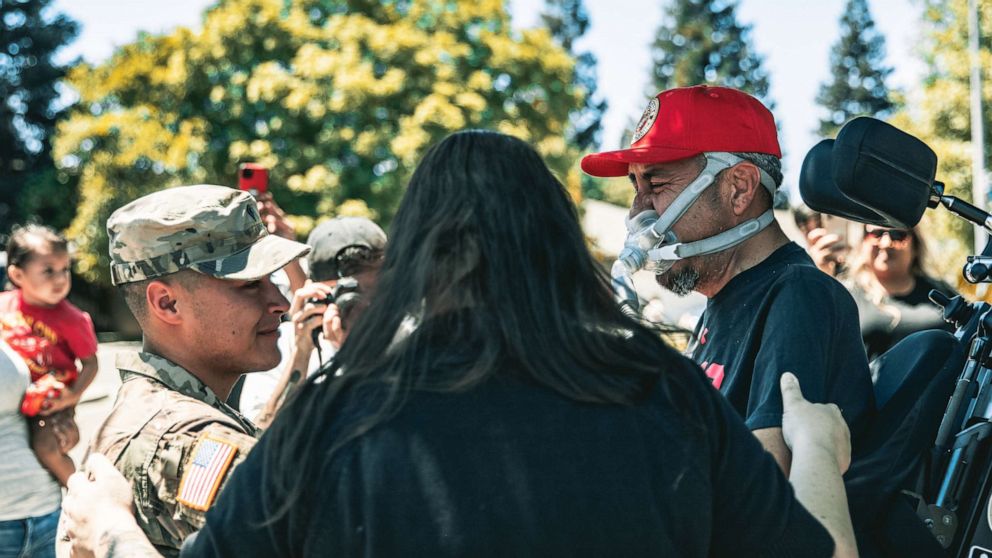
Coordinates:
813 426
67 399
66 432
827 250
274 217
98 500
308 316
333 327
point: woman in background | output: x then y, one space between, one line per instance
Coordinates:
887 276
891 285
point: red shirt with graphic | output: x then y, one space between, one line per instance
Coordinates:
48 339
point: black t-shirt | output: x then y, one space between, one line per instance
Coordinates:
785 315
882 326
512 469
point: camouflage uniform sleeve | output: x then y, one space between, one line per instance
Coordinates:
185 475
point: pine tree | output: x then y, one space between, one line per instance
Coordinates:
29 37
940 116
857 63
701 41
567 20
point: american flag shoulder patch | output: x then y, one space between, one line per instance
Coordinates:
205 470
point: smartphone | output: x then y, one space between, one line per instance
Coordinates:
253 178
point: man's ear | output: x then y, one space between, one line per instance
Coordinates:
162 301
745 186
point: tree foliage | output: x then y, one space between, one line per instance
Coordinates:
941 118
858 71
338 97
30 35
701 41
567 21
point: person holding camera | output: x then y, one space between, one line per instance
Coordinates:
344 261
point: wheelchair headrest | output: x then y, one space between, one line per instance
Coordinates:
872 173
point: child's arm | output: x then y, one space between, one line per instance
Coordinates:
87 372
70 396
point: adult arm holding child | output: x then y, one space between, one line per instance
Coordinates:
70 396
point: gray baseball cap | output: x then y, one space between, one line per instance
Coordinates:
330 238
214 230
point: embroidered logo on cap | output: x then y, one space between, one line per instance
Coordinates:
647 120
204 473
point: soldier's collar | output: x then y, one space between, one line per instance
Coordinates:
178 379
165 371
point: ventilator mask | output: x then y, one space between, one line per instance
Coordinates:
651 243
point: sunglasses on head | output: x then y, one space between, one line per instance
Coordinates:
895 235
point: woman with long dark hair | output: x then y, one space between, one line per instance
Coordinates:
493 400
891 284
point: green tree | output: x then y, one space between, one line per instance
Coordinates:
568 20
339 98
30 34
940 117
701 41
857 62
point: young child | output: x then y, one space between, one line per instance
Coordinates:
51 335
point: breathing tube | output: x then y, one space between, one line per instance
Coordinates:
651 243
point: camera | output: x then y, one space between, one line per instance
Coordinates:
346 294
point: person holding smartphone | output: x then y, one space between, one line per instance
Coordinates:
826 239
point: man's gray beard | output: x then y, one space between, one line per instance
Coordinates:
681 282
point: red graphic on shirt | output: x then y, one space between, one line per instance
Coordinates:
36 343
48 339
702 336
715 373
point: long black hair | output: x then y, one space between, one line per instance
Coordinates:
486 259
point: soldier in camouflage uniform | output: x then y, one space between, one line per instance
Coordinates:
192 263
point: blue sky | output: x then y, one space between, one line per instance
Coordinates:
795 37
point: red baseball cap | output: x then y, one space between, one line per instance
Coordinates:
687 121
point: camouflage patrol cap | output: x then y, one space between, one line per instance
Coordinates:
214 230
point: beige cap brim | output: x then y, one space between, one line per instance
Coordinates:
271 253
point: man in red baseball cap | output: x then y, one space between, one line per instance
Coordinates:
705 164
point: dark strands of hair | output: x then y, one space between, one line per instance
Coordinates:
24 241
487 254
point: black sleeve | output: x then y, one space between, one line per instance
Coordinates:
755 511
235 525
811 329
